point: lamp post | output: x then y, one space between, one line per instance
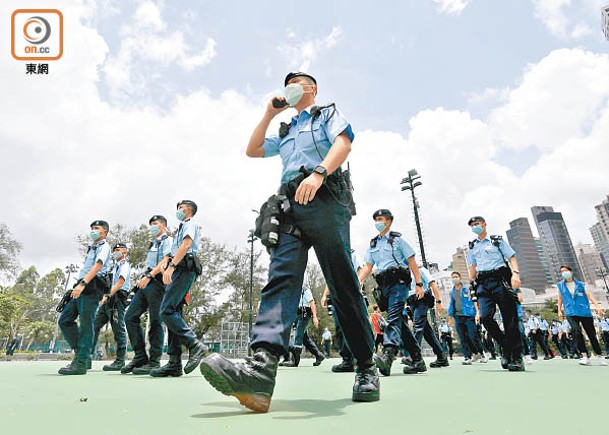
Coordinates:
251 239
603 273
410 184
72 268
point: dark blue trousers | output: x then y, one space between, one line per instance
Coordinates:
80 337
117 323
396 297
341 343
410 344
171 311
324 224
468 335
147 299
422 328
491 294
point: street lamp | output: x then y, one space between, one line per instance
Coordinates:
603 273
251 239
410 184
72 268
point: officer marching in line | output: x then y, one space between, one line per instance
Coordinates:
446 337
394 260
420 307
312 148
181 268
113 305
148 296
306 312
555 328
536 327
85 296
603 329
493 283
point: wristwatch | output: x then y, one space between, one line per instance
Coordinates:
148 275
171 264
515 271
419 284
438 301
321 171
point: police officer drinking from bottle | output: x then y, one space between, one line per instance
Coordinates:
85 296
394 259
312 147
113 305
181 268
148 296
494 286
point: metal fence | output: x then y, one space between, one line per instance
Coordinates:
234 339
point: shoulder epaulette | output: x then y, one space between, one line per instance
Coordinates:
395 234
374 241
472 244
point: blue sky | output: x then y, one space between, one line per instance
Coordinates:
499 105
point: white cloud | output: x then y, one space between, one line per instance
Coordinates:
146 38
567 19
451 7
301 54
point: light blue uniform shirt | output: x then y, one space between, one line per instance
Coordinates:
486 256
604 325
357 262
122 269
381 255
543 325
426 278
186 229
534 323
97 252
444 328
555 329
305 298
161 247
298 149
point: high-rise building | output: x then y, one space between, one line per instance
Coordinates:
544 262
556 241
590 262
605 21
459 263
600 230
520 238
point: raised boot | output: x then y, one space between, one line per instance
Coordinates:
415 366
346 366
135 363
367 384
147 368
296 351
441 361
196 352
318 359
173 368
383 362
251 382
116 366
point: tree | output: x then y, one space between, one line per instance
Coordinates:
19 301
9 252
39 332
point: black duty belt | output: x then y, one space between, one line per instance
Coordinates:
501 273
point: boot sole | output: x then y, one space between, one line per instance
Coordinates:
351 370
163 375
257 402
373 396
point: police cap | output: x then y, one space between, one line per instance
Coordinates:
157 217
119 245
475 219
190 203
382 212
102 224
293 74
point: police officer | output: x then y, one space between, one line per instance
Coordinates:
446 336
312 148
603 326
420 307
91 286
148 296
306 312
113 305
394 260
181 268
494 284
555 329
535 326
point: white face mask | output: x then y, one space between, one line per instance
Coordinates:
456 281
293 93
116 255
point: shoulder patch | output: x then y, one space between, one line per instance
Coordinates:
395 234
374 241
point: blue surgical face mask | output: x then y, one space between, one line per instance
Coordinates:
477 229
94 235
293 93
456 281
180 215
380 226
567 275
154 230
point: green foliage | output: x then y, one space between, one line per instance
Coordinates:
9 252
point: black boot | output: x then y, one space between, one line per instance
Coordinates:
412 367
173 368
76 367
318 359
116 366
147 368
286 359
346 366
251 382
441 361
135 363
295 361
367 386
516 365
196 352
384 361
